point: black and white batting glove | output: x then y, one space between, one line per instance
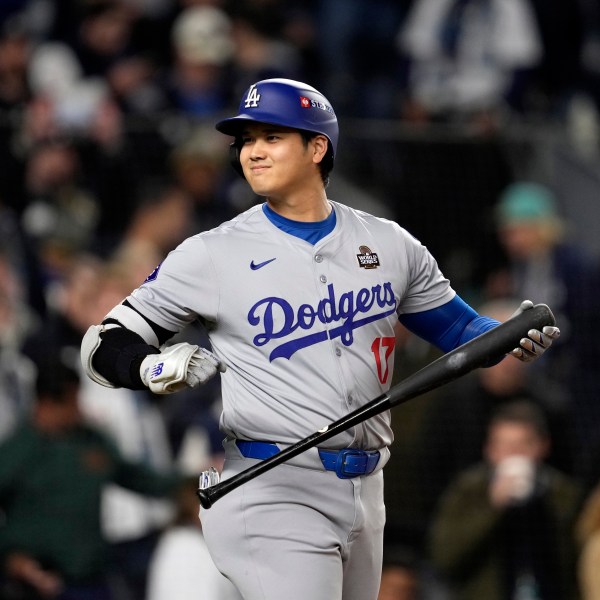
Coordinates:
536 342
179 366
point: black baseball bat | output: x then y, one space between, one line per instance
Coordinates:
476 353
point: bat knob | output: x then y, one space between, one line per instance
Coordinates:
207 480
205 499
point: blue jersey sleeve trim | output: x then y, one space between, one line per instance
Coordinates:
449 325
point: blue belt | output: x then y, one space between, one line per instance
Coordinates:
347 463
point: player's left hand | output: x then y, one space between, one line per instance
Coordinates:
536 342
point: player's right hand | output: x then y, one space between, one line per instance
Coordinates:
179 366
536 342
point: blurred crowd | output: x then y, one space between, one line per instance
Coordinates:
109 159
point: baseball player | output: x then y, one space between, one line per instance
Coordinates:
299 295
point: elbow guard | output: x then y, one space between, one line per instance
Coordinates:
111 355
112 352
89 344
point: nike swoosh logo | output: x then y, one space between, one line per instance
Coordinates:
254 266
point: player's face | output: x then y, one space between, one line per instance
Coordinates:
277 162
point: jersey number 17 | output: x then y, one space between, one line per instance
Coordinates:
382 348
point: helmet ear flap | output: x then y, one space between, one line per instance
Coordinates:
234 157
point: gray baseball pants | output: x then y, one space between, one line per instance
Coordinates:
298 532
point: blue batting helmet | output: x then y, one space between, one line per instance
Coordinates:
288 103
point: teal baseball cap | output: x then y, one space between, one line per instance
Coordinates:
525 201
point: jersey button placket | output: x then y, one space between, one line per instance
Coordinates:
319 259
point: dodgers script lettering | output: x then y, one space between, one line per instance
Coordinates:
278 319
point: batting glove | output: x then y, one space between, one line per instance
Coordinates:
536 342
179 366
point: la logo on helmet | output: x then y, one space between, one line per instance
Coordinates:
253 97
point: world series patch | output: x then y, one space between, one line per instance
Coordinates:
366 258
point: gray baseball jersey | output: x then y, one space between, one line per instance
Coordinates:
306 332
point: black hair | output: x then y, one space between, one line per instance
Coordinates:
326 164
523 412
55 378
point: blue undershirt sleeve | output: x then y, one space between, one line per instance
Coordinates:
449 325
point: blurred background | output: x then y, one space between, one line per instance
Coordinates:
473 123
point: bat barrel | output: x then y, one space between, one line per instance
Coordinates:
478 352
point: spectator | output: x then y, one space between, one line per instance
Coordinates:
91 109
400 575
22 262
200 166
52 473
468 60
67 318
131 520
504 527
590 48
115 172
558 76
133 421
56 76
356 60
102 36
112 157
161 219
60 215
260 50
15 49
543 263
453 429
588 536
198 81
17 372
181 567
